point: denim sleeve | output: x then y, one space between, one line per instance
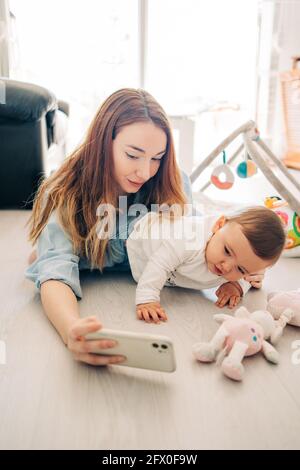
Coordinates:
56 259
187 186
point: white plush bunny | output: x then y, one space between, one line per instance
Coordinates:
245 334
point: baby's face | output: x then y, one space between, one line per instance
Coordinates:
229 253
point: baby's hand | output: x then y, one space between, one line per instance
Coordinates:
228 293
256 279
151 312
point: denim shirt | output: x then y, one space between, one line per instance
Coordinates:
56 258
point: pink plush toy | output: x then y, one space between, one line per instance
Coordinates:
279 301
245 334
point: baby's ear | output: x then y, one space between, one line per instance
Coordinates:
219 223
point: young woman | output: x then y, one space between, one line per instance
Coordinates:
129 152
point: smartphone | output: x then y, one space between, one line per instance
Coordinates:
144 351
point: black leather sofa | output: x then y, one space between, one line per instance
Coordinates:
33 131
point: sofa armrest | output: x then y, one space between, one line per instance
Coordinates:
25 101
64 106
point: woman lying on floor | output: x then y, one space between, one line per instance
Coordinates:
83 212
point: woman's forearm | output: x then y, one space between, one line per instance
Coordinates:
60 305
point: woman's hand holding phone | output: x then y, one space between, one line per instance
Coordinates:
83 350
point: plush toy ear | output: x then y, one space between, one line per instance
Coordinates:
276 335
221 317
286 316
281 323
242 312
270 353
272 294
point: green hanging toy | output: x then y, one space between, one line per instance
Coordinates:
248 168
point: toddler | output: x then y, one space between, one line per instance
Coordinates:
201 253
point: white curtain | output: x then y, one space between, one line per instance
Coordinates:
279 41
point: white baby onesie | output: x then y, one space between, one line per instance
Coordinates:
161 253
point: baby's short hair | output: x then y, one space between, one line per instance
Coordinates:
264 231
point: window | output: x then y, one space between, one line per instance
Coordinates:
81 50
197 54
201 56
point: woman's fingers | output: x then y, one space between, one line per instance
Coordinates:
91 318
87 325
91 346
89 351
98 360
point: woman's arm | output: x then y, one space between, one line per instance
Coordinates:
61 307
55 272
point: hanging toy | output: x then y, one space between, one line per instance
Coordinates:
222 170
246 168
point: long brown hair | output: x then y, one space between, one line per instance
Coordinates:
84 180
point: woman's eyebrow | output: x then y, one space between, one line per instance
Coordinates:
143 151
244 269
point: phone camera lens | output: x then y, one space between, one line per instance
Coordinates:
164 346
155 345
